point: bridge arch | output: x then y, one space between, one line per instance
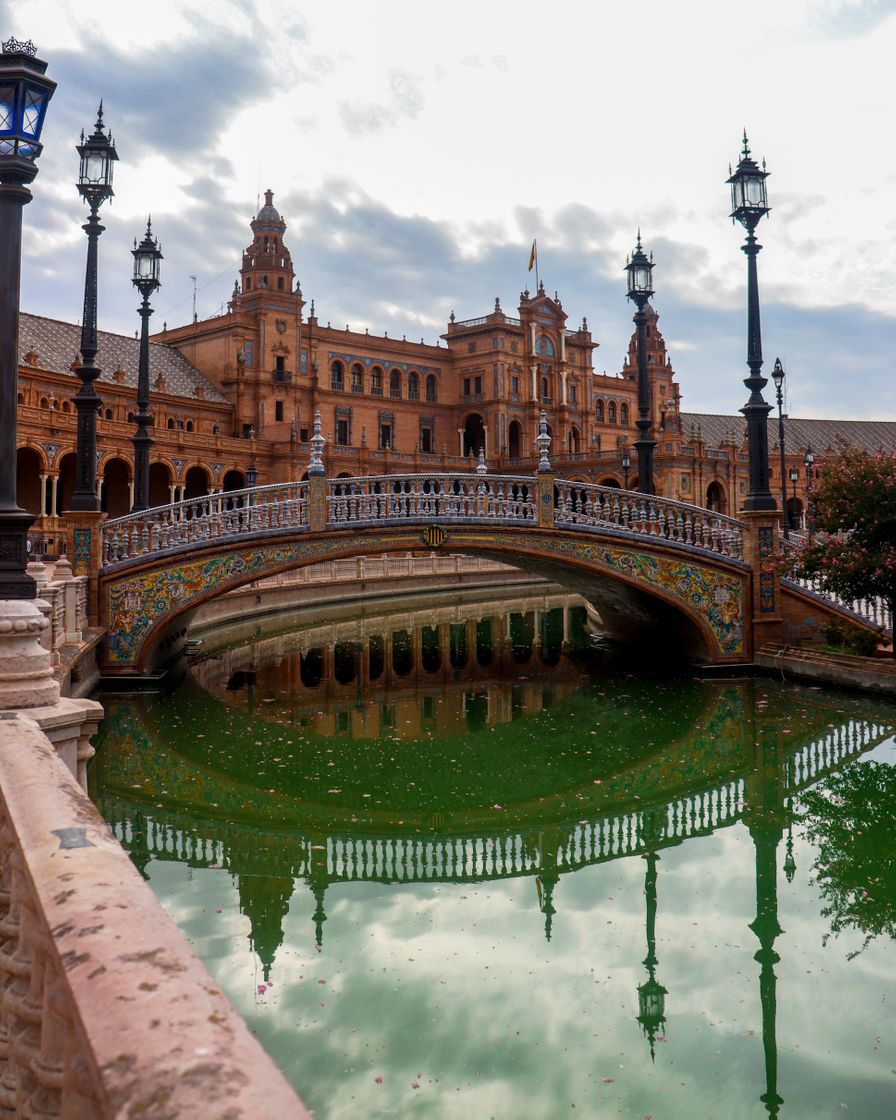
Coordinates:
698 604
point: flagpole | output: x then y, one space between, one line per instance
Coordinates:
537 282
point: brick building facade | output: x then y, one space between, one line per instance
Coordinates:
239 391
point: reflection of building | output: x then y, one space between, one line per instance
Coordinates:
242 388
439 673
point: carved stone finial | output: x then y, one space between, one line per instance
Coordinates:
543 443
481 467
317 441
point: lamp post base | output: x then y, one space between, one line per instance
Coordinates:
15 583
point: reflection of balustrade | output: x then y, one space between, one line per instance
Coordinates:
877 612
171 834
825 754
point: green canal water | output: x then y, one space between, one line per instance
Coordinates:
480 867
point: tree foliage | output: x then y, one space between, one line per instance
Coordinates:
854 551
850 817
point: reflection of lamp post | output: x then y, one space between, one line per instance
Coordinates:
778 378
809 460
626 465
794 479
651 994
749 204
24 94
146 280
95 186
640 288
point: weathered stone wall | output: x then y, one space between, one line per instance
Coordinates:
104 1009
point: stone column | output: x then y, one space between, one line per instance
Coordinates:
131 494
54 486
763 620
43 495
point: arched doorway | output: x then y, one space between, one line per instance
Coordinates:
159 484
610 482
116 496
28 472
715 498
66 483
794 514
573 441
233 480
515 439
196 483
474 435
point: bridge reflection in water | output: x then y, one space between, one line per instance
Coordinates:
274 786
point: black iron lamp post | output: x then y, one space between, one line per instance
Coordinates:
252 469
809 460
640 279
794 479
98 155
778 378
147 257
626 466
749 204
24 94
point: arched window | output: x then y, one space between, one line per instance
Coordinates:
623 414
189 425
357 378
544 346
376 381
413 387
395 383
44 403
66 407
545 389
611 412
21 398
431 392
599 412
337 376
280 283
108 414
170 422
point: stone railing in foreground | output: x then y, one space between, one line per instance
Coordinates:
104 1009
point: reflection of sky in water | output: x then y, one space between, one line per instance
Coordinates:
453 987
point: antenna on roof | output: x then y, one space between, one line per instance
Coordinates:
193 278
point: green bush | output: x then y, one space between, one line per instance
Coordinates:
846 636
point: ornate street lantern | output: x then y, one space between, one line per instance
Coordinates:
147 257
24 94
640 288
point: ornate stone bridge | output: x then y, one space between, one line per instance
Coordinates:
682 574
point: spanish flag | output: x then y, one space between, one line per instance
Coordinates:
532 256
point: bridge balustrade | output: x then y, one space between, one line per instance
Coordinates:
587 504
220 516
877 612
420 497
436 497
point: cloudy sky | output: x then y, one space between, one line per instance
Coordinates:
415 151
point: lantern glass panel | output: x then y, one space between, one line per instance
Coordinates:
143 266
33 112
93 167
7 108
754 191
